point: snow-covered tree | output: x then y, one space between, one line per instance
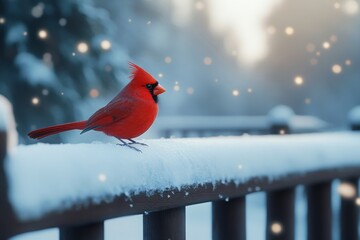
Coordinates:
54 54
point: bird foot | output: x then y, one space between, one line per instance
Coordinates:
135 142
129 146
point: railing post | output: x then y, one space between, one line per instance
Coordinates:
229 219
167 134
93 231
3 186
319 215
354 118
280 219
349 214
279 119
7 216
280 215
165 225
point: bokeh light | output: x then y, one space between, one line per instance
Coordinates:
235 92
351 7
43 34
105 44
289 31
38 10
336 68
94 93
299 80
102 177
82 47
276 228
176 87
326 45
45 92
62 22
167 59
347 190
35 101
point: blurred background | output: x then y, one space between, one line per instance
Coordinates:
62 60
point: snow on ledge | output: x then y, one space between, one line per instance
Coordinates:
45 177
5 110
7 122
354 116
280 115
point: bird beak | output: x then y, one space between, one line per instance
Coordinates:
159 90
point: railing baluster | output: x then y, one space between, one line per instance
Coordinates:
349 214
229 219
165 225
94 231
319 215
280 214
8 219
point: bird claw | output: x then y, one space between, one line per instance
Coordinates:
135 142
130 143
129 146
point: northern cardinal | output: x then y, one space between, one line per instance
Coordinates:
128 115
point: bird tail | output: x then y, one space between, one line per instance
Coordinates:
44 132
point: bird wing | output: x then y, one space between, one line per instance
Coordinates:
113 112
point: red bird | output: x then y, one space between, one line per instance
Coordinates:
128 115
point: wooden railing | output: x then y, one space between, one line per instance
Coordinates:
164 217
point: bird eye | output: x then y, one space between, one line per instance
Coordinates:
148 86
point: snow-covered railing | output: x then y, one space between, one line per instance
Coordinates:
90 183
77 186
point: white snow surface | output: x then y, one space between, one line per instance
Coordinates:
7 122
354 115
45 177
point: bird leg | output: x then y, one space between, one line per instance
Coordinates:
127 145
135 142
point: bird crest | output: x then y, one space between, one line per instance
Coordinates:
140 75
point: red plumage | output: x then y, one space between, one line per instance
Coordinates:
128 115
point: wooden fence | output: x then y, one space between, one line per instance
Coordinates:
164 218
